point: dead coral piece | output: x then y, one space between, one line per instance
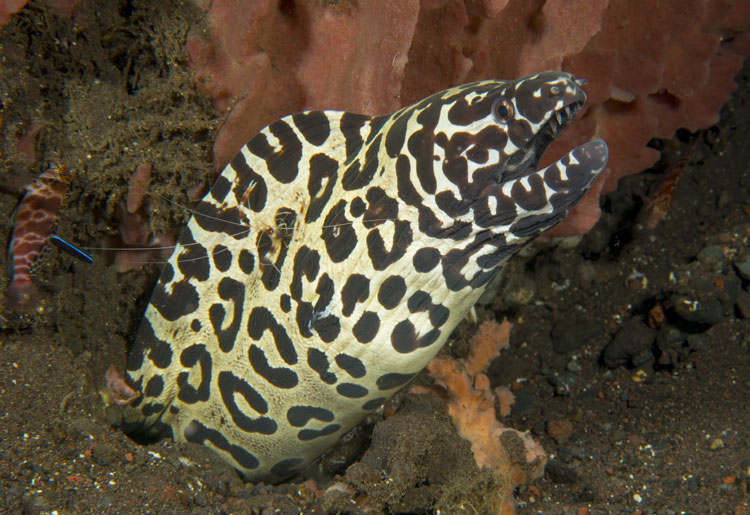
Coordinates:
651 68
157 249
505 400
26 143
486 344
660 199
560 430
513 456
119 391
9 7
138 187
141 245
133 227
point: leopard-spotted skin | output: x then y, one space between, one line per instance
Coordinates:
334 256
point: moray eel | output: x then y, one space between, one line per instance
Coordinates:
332 259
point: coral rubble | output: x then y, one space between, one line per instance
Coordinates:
514 457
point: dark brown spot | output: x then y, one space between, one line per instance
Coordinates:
391 291
366 327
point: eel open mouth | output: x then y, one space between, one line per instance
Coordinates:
556 123
547 195
526 161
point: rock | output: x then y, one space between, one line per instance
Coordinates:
692 310
712 255
642 358
656 316
344 453
573 366
632 339
729 290
568 454
82 427
519 291
745 469
560 430
634 403
35 503
640 376
743 269
104 454
706 299
557 472
670 341
200 499
722 200
565 383
743 304
524 401
570 333
696 342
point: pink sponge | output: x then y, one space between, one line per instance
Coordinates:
651 67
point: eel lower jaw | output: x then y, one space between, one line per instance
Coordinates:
574 173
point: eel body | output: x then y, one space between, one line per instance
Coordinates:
332 259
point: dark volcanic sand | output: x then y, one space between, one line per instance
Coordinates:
673 437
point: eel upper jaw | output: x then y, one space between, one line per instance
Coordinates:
526 160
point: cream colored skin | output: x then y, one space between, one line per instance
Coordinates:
191 421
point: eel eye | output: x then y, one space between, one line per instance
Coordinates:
504 110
